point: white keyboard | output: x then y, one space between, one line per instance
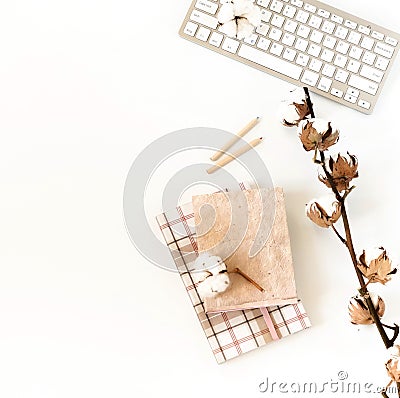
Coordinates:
335 54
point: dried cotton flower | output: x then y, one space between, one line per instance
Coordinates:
294 109
393 365
359 312
342 169
238 18
210 275
324 211
317 134
375 265
393 369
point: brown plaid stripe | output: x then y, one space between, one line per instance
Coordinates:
232 333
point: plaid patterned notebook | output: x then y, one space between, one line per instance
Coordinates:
232 333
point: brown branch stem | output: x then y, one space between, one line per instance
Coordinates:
350 247
348 241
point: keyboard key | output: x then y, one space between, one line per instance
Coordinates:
328 70
337 93
367 43
325 84
289 11
302 59
251 39
382 63
277 20
290 26
302 16
371 73
310 8
391 41
204 19
342 47
301 45
327 55
329 42
288 39
276 6
350 24
314 50
190 28
276 49
303 31
363 29
377 35
350 98
275 34
216 39
206 5
315 22
316 36
340 60
335 18
263 3
297 3
363 84
368 58
328 27
203 33
262 29
265 15
263 43
310 78
355 52
323 13
353 66
384 50
230 45
364 104
352 91
289 54
341 32
354 38
270 61
315 65
341 75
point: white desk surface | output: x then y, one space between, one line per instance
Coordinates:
84 87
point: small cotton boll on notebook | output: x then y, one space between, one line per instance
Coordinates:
248 230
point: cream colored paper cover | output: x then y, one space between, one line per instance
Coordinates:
271 267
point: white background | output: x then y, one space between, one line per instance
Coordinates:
84 87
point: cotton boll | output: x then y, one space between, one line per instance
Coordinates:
229 28
226 13
213 285
327 202
288 114
373 253
244 29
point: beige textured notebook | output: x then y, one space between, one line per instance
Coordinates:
232 234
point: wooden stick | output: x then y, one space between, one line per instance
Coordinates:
252 281
229 158
234 139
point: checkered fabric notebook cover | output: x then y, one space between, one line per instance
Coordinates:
232 333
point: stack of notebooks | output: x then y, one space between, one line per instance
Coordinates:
242 318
